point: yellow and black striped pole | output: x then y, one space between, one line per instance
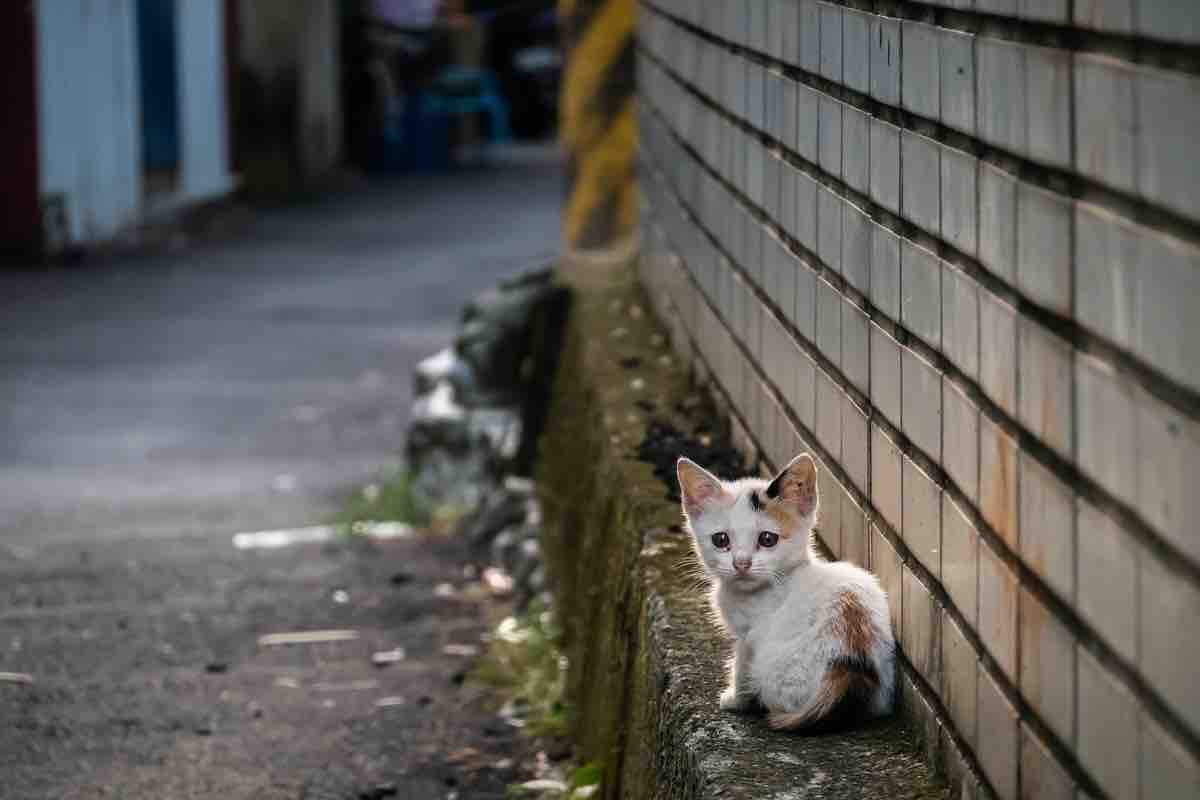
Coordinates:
599 126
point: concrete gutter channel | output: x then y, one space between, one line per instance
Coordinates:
646 661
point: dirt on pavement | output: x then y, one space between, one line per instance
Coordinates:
149 679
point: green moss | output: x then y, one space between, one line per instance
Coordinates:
526 667
394 500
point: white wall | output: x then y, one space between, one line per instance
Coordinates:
88 112
203 105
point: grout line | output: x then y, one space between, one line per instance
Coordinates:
1062 467
1180 397
941 714
1026 577
1139 49
1078 186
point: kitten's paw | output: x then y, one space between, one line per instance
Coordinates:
732 701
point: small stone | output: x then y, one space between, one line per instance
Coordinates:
444 590
385 658
637 384
657 340
15 677
665 361
498 582
341 596
619 333
460 650
636 312
518 485
391 700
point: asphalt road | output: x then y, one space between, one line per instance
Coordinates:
152 406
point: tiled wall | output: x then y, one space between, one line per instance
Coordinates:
954 251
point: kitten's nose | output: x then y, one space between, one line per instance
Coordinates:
741 565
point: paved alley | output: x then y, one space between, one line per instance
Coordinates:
152 407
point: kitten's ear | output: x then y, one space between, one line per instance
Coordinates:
697 486
796 485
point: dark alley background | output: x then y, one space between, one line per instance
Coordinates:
247 383
232 229
154 406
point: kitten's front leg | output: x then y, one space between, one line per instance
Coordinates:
740 694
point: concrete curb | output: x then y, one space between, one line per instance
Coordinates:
646 660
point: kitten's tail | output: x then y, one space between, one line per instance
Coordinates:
845 695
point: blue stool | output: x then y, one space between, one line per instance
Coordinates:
462 90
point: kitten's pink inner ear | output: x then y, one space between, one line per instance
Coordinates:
797 485
698 488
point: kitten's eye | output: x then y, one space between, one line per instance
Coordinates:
768 539
720 540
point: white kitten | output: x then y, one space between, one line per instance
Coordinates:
813 638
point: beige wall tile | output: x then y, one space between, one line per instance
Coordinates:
922 630
1170 637
1107 741
960 560
1108 564
997 749
922 512
1168 771
998 480
960 678
1047 527
1042 776
998 610
885 563
1047 666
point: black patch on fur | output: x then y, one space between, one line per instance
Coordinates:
855 706
755 503
773 488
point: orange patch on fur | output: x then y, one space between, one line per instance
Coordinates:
788 523
852 621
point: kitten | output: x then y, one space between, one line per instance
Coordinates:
813 638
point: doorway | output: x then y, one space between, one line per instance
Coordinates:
159 78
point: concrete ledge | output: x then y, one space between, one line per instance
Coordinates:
646 661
